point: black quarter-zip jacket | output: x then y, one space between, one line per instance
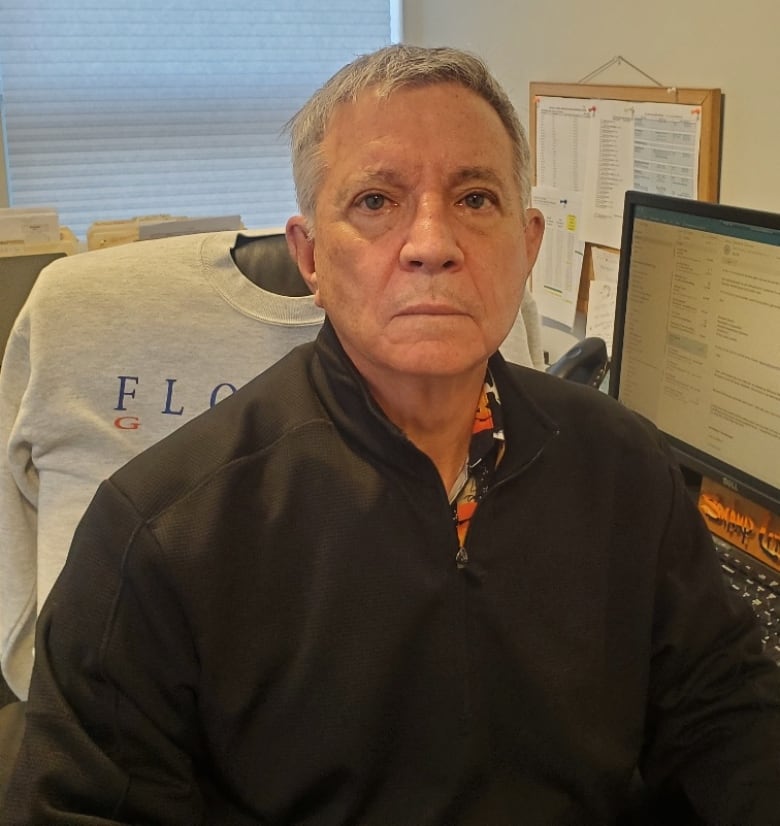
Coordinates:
261 621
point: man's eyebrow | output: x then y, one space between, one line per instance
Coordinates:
376 174
368 177
475 174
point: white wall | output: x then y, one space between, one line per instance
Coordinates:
688 43
730 45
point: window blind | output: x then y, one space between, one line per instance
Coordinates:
114 110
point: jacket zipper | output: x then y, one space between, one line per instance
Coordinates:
462 555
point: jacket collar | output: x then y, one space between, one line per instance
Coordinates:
359 418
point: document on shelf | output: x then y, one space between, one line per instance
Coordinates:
602 295
556 274
188 226
562 135
651 147
609 172
605 264
666 149
24 228
600 321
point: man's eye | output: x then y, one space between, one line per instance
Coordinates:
475 200
374 201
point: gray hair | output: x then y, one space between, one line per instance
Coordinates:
387 70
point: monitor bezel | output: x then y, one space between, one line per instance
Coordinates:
691 458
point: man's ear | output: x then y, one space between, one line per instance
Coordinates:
301 247
534 231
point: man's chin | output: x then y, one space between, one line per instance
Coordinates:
440 359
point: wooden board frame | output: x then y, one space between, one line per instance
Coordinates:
709 100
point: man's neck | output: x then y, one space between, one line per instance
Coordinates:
436 414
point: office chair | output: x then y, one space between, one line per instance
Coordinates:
183 322
586 362
266 261
11 734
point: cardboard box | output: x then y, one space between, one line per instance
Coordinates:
22 228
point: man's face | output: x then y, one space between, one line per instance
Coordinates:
421 250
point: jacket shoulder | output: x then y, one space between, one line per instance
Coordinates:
275 405
586 416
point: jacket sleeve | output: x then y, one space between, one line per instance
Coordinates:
714 707
112 732
18 516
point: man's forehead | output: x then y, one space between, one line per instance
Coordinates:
378 96
398 174
459 115
445 128
454 111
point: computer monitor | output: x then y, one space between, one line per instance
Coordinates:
696 346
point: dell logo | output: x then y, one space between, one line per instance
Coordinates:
729 483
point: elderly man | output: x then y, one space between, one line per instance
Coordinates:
396 580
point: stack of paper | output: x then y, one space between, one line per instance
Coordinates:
28 230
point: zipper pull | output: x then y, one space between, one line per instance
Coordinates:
461 557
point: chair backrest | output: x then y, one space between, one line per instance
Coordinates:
266 261
6 695
11 733
18 273
586 362
113 350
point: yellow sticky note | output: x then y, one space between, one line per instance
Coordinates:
571 223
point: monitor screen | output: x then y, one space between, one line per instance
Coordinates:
696 347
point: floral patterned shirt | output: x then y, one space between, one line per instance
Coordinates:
485 452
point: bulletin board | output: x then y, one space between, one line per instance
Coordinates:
615 115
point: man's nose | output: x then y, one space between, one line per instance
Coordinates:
431 243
